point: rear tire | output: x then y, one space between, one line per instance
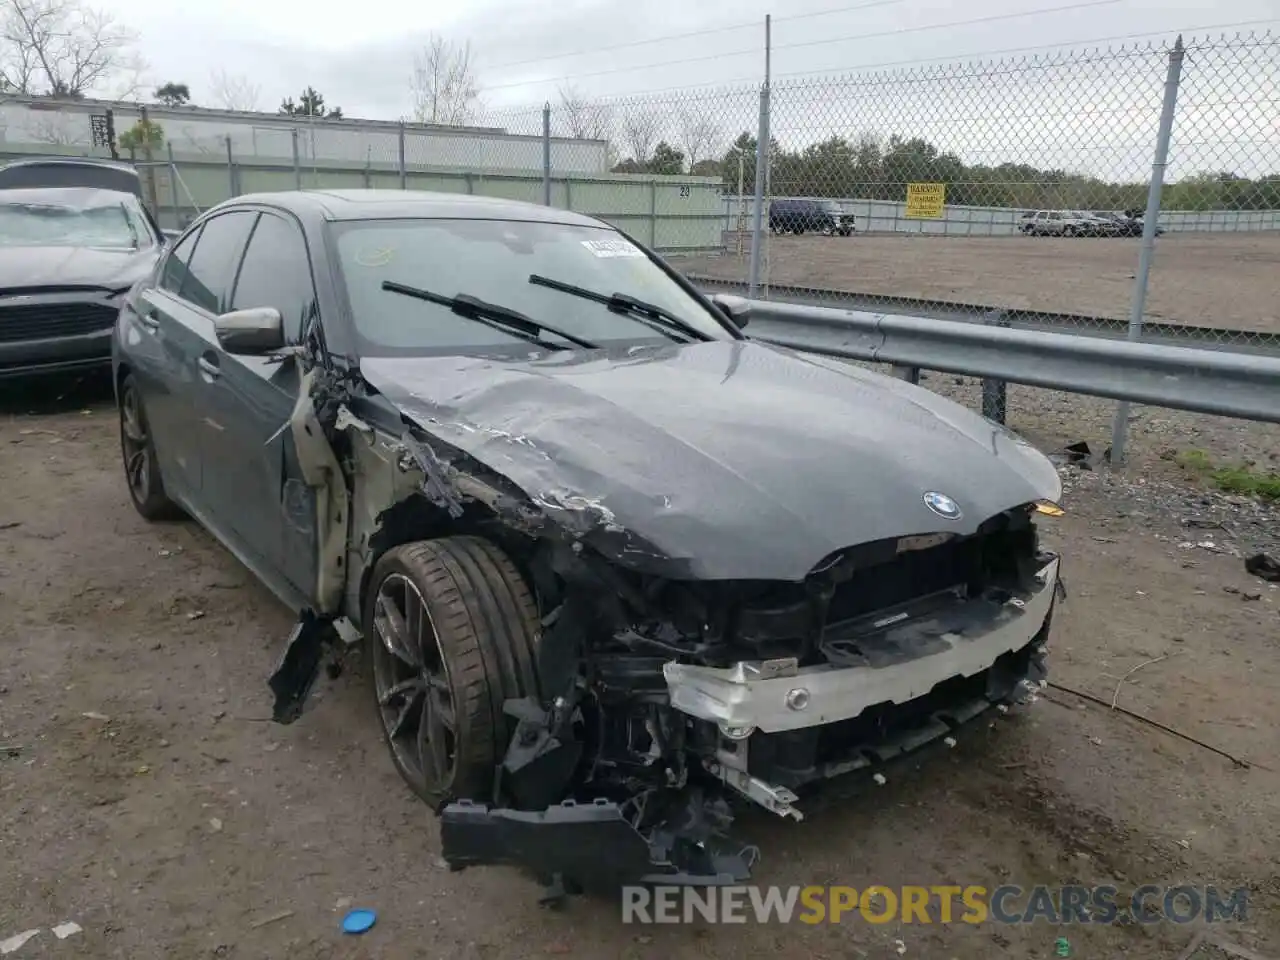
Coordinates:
138 453
453 632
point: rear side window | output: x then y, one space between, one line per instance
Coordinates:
212 268
275 273
175 264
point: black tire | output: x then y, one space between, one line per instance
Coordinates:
138 455
1069 232
485 627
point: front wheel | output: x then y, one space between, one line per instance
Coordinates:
452 630
138 451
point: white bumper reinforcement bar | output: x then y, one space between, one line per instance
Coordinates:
776 695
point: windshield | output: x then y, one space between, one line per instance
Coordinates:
72 217
831 207
492 260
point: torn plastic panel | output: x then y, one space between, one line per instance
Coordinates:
685 839
631 722
592 846
310 640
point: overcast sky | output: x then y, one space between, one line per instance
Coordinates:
359 57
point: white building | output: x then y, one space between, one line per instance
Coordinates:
28 121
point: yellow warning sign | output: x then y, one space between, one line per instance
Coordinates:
925 201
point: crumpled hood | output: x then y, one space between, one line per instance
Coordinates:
727 459
73 266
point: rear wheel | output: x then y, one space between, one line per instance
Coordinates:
138 451
452 630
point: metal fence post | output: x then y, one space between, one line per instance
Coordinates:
297 165
995 393
153 199
653 213
231 170
404 173
762 161
1120 426
173 186
546 154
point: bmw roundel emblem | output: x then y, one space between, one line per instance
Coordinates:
942 505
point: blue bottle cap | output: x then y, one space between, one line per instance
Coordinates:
358 921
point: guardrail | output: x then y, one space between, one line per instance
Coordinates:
1203 337
1246 386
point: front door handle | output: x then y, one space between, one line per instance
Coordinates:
209 367
150 317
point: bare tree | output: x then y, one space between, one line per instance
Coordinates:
584 119
234 91
699 135
443 84
641 129
64 48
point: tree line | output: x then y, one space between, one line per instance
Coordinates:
869 168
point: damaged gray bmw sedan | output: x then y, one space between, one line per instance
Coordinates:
618 568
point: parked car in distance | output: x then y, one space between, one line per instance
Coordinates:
817 216
1059 223
74 237
594 539
1131 223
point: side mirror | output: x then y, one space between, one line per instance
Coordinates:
734 308
253 332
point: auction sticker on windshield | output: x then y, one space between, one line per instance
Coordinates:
612 248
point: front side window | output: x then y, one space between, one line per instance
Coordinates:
276 273
72 217
211 270
175 264
492 260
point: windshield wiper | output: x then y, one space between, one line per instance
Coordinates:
658 317
493 315
133 231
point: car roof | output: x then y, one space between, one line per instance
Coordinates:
54 171
341 205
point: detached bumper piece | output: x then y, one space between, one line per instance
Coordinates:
589 846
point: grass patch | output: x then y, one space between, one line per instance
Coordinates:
1239 479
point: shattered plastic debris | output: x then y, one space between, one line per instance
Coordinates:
17 941
68 929
880 779
91 715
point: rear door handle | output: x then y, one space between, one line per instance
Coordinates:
209 367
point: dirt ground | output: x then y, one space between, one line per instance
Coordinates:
1215 280
145 795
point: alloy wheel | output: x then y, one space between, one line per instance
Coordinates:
411 680
135 446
